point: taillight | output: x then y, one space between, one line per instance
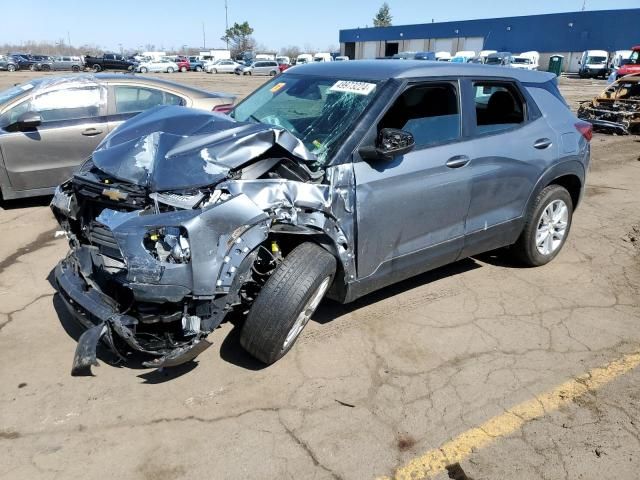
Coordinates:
585 129
224 108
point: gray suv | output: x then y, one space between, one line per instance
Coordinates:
260 67
335 179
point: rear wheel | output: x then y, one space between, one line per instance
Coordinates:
97 68
183 69
144 69
198 68
11 68
75 68
287 301
215 70
547 227
46 68
272 73
170 70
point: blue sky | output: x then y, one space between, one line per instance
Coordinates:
311 24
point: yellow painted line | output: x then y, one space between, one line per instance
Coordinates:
459 448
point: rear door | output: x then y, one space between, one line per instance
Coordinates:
512 145
73 123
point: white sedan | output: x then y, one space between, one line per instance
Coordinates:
222 66
160 65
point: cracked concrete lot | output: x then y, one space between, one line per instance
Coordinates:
369 387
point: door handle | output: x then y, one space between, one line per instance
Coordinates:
457 161
542 143
90 132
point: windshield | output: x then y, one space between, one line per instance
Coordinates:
521 60
634 59
494 60
596 60
319 111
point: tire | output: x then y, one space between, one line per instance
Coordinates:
272 73
215 70
169 69
45 68
198 68
183 69
528 248
144 69
286 302
97 68
75 68
32 67
11 68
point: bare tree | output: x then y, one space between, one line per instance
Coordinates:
291 51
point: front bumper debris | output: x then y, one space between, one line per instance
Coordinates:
132 301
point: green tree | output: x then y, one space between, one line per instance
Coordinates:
239 38
383 17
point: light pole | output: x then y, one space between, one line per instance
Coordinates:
226 22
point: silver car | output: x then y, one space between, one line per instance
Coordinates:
222 66
260 67
50 125
159 65
61 63
335 178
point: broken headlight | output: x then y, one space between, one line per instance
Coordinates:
168 244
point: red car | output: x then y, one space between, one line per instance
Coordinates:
283 66
183 64
633 65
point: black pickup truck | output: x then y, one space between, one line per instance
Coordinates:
108 61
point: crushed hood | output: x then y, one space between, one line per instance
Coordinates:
176 148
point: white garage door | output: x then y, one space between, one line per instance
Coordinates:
414 45
472 43
369 49
444 45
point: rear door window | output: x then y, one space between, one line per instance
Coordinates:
498 106
133 99
430 112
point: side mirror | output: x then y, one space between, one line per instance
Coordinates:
390 143
28 120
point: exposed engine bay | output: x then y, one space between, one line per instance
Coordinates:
178 218
617 109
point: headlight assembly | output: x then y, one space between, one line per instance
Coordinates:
168 244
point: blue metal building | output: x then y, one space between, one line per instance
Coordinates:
564 33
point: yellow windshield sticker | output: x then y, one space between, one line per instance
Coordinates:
317 143
277 87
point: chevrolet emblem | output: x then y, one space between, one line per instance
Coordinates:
114 195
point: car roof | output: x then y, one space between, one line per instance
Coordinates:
54 81
386 69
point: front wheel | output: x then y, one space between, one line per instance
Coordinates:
170 70
11 68
198 68
75 68
97 68
287 301
546 227
183 69
144 69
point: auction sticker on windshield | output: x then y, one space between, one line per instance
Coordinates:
277 87
347 86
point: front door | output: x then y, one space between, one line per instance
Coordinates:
411 210
73 123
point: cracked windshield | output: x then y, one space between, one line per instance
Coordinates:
317 110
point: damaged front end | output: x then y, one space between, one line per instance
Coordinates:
617 109
169 226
